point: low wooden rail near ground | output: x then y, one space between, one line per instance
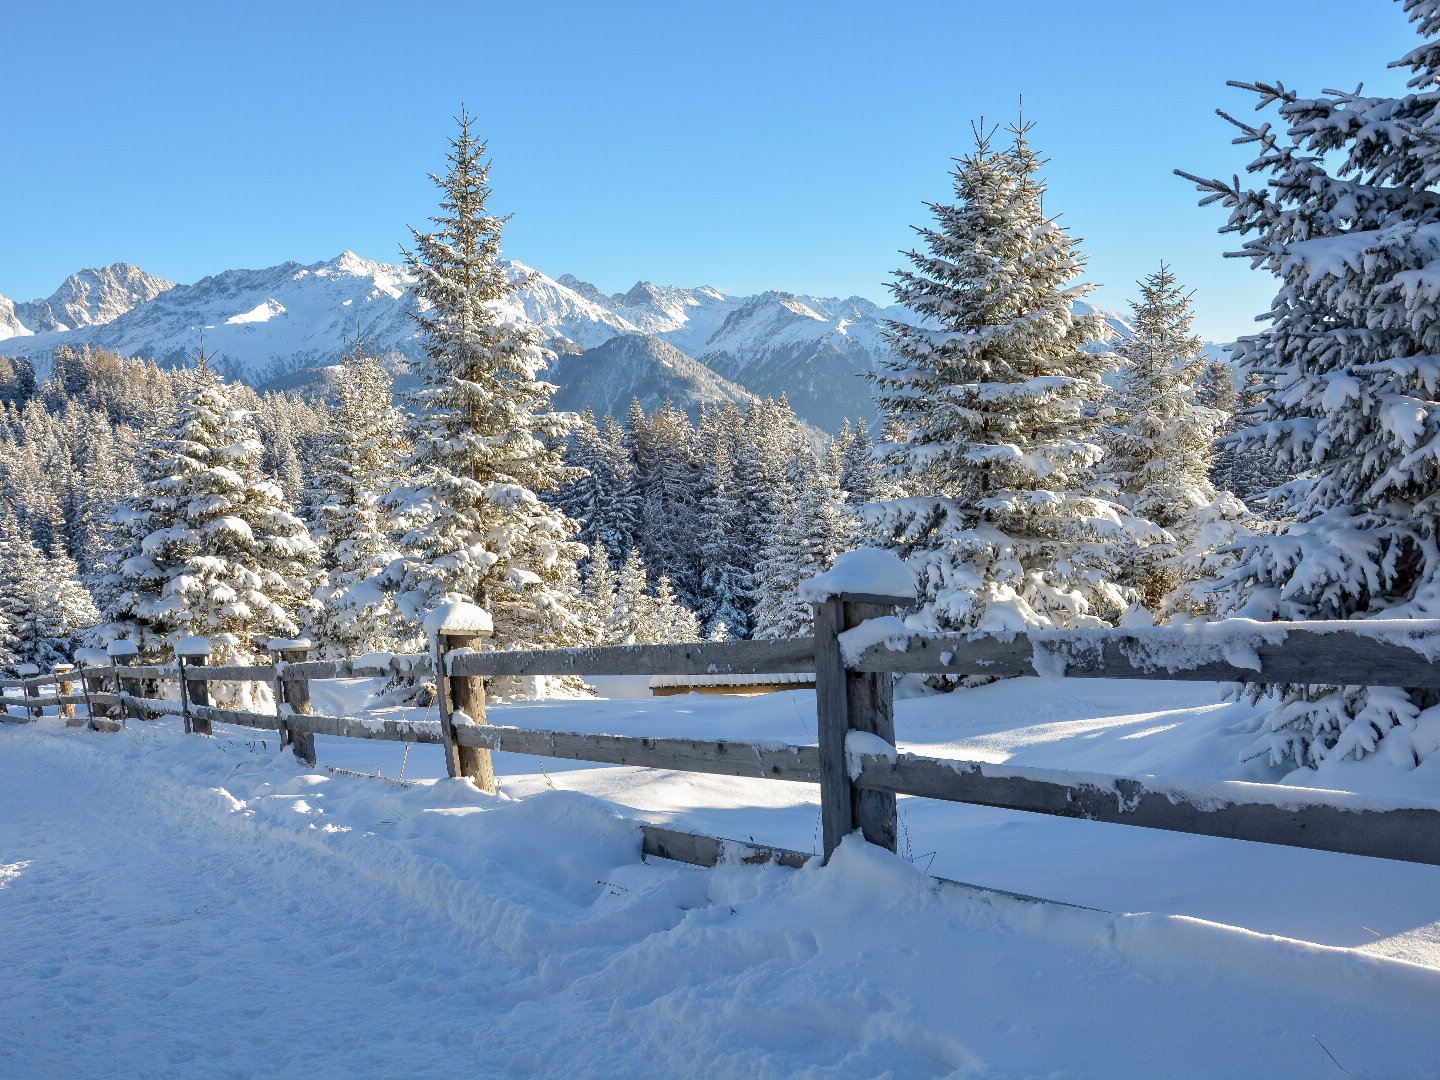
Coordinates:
857 647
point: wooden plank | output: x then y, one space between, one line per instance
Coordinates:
1265 813
399 664
351 727
231 673
238 718
26 683
832 709
144 671
360 727
1330 653
699 658
719 757
699 850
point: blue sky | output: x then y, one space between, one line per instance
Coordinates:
741 145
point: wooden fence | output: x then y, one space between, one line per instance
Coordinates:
858 645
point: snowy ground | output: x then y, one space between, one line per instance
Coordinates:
173 906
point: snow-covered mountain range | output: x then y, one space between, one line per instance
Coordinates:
279 325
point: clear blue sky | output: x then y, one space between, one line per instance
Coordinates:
743 145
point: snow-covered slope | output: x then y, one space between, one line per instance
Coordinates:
10 324
275 325
639 366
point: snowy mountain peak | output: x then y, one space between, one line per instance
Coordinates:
92 297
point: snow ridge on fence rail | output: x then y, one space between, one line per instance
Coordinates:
1392 652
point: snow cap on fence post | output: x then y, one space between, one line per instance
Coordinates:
871 575
188 648
26 670
457 618
121 648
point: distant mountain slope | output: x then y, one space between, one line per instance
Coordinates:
280 325
638 366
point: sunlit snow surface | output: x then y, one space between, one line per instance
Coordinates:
176 906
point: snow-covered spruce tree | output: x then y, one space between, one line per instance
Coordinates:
1160 443
23 599
602 497
486 442
1348 220
810 529
725 580
358 464
212 549
991 393
632 620
668 477
598 591
9 643
1216 389
674 622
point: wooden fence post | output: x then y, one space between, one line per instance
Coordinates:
451 627
849 701
92 679
292 695
120 651
29 671
193 652
64 687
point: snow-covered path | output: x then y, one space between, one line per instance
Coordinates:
172 906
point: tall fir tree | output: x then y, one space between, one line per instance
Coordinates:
1347 221
486 442
991 394
212 548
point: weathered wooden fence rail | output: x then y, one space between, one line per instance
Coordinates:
857 646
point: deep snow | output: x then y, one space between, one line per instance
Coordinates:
171 905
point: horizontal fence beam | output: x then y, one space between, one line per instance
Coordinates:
28 681
1389 653
399 664
233 673
724 758
138 671
700 850
760 657
1265 813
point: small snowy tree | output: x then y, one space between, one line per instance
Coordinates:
212 548
352 614
23 598
992 393
1348 222
486 442
1161 442
811 529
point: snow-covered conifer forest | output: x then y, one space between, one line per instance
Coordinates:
667 466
